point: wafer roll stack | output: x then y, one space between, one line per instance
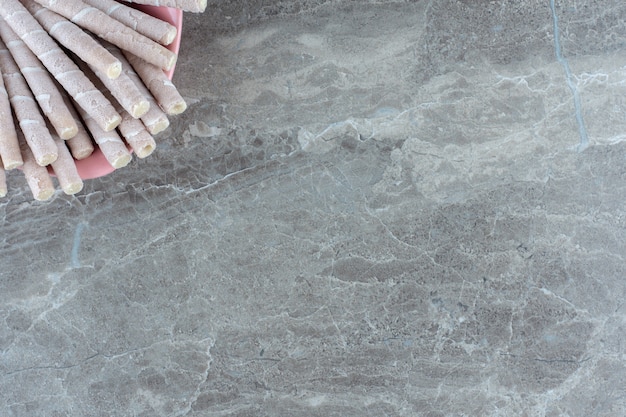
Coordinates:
109 29
79 77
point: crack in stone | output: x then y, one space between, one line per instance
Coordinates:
205 376
48 367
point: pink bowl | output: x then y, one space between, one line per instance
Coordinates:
96 165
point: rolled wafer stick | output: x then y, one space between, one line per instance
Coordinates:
10 154
136 135
81 146
110 143
134 132
194 6
3 181
26 111
123 89
41 84
155 119
107 28
162 89
37 177
59 64
131 129
65 169
149 26
75 39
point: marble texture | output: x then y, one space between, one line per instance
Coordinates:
371 208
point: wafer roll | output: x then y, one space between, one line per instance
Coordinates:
65 169
131 129
109 29
123 89
37 177
81 146
10 154
155 119
75 39
26 111
136 135
59 64
41 84
149 26
161 87
110 143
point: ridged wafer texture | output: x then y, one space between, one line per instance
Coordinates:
149 26
111 30
37 177
41 84
26 111
60 66
161 87
75 39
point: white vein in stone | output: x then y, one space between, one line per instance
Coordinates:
75 261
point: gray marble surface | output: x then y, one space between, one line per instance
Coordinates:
371 208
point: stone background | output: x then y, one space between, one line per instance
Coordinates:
371 208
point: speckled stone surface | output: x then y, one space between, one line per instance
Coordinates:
371 208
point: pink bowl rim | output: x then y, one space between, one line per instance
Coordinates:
96 165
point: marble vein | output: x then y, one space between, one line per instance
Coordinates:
582 131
